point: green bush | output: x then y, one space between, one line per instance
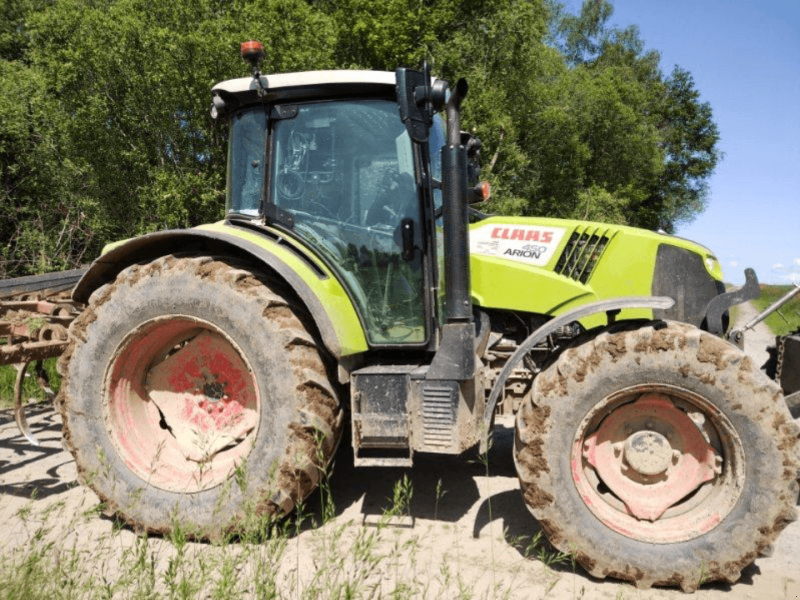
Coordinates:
30 388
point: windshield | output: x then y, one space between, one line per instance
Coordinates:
345 171
246 162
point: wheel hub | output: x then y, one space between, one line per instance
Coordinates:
188 387
651 455
648 452
183 404
214 391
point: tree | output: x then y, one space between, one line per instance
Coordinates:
647 140
46 220
106 132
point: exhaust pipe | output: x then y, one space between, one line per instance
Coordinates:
458 308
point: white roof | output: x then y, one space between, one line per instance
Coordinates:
308 78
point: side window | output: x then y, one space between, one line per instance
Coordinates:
435 143
345 171
246 162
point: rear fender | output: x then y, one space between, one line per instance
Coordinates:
319 291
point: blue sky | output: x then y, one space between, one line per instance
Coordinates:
745 59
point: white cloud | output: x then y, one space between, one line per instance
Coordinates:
797 262
777 267
733 263
793 277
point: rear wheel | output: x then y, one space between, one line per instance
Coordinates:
193 394
658 454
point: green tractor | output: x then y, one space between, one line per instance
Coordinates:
214 369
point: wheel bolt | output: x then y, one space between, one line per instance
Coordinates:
618 447
717 464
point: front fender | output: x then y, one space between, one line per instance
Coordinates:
320 292
604 306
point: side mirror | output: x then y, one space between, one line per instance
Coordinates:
222 104
218 107
473 146
418 100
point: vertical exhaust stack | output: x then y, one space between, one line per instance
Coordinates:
455 358
454 215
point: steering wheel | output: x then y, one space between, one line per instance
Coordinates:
290 184
394 200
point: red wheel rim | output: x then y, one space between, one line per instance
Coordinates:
182 405
658 463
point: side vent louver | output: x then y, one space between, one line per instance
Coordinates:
582 253
438 413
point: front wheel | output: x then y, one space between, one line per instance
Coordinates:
195 394
658 454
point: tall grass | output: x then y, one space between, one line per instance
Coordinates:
787 318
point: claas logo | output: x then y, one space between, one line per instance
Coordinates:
524 235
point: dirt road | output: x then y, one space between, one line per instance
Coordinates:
466 533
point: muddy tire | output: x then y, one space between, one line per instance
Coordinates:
194 393
658 454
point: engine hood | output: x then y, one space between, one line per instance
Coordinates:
549 266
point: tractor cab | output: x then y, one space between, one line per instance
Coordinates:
328 158
342 178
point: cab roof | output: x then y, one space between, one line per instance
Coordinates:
308 79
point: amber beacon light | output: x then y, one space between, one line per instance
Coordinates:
253 52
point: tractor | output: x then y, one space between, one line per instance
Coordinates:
353 286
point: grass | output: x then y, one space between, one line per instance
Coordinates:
787 318
30 388
311 555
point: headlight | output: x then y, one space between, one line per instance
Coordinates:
712 265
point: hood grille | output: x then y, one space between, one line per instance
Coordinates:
582 253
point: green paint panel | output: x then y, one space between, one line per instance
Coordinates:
535 265
329 292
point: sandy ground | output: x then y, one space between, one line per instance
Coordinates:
471 542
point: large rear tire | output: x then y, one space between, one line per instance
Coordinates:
658 454
194 394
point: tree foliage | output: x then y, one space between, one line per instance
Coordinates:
105 131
